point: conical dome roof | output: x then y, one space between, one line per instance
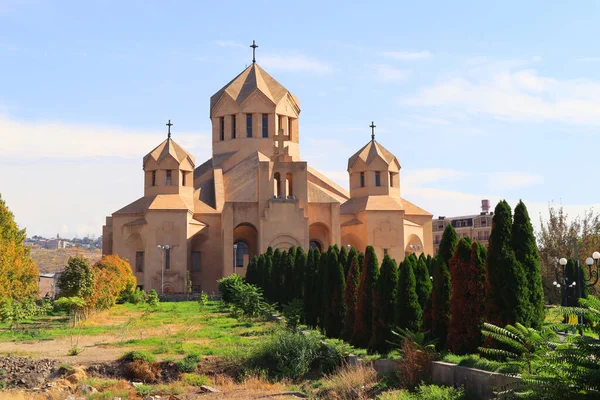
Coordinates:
370 151
166 148
251 79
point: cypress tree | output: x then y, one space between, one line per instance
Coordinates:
252 271
430 263
571 276
350 296
408 311
447 244
351 254
507 295
440 303
467 271
267 276
334 320
361 262
321 289
299 272
311 300
423 279
526 252
260 272
277 276
384 304
287 289
343 259
363 323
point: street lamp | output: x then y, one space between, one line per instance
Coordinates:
415 248
162 266
349 247
234 258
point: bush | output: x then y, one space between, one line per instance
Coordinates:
349 383
293 313
202 300
286 355
138 297
226 286
153 299
477 362
189 363
195 380
145 390
138 355
141 370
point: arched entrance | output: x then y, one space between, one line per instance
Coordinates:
413 245
245 240
284 242
319 233
315 244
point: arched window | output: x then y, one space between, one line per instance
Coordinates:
288 185
277 182
242 249
315 245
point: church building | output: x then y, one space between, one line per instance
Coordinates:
207 221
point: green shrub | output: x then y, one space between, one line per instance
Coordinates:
293 313
195 380
189 363
226 286
202 300
138 355
286 355
477 362
138 297
145 390
153 299
426 392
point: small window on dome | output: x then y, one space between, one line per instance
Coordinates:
249 125
377 178
153 178
233 126
265 125
222 128
362 179
168 177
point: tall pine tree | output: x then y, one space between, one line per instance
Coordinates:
423 279
299 271
334 319
311 300
363 322
408 311
526 252
447 244
507 294
289 283
268 276
277 276
440 303
350 296
384 304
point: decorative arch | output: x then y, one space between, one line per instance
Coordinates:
320 233
247 234
284 242
416 243
355 241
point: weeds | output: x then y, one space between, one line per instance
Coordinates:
195 380
349 383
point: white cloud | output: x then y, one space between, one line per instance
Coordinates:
514 94
70 141
405 56
295 62
229 43
387 73
513 180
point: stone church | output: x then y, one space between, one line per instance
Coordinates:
209 220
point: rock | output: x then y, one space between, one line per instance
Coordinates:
136 384
208 389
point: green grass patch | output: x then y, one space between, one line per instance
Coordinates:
478 362
138 355
195 380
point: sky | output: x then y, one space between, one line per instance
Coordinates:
496 99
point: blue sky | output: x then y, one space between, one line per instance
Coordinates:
477 99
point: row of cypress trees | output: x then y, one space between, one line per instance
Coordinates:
347 294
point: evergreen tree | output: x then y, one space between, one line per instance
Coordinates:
334 320
350 296
321 289
408 311
361 262
526 252
267 277
299 271
447 244
430 263
363 323
277 276
311 300
571 291
384 304
507 295
252 272
287 288
467 271
351 254
440 303
423 279
343 259
260 272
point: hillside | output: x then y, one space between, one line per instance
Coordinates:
49 261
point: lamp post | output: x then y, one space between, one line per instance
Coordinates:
162 266
234 258
415 248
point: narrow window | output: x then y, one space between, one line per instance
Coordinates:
290 127
233 126
385 252
182 178
391 180
153 178
167 258
248 125
195 261
139 261
195 289
222 128
377 178
168 177
265 125
362 179
280 123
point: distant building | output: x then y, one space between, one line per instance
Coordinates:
47 284
54 244
477 226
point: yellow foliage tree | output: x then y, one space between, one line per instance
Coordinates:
113 279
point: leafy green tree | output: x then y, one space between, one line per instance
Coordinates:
447 244
77 279
335 307
351 254
350 296
384 304
299 272
408 311
8 227
363 323
252 274
424 285
507 294
74 304
526 253
440 303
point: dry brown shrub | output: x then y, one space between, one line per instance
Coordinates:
142 371
415 365
257 382
349 383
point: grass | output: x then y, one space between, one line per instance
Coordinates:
195 379
477 362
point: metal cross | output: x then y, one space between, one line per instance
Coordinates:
254 46
372 126
169 124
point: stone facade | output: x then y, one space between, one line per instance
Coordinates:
256 192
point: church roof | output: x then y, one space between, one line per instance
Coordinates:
156 202
370 151
411 209
169 147
251 79
371 203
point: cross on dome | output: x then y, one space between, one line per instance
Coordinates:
372 126
254 46
169 124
